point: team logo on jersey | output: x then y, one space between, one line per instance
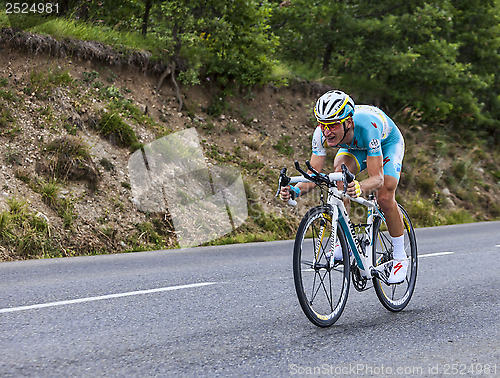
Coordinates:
374 125
314 144
374 144
397 167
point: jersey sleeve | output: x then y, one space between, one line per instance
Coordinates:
318 147
373 136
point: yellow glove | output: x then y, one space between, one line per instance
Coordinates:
357 188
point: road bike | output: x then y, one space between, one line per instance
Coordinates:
322 282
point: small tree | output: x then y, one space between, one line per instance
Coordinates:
229 40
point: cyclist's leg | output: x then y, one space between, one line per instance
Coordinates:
386 198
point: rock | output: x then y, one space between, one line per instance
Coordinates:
42 215
143 108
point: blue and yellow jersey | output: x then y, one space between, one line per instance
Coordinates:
375 134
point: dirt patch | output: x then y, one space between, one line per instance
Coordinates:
104 216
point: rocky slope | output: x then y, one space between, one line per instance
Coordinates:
65 185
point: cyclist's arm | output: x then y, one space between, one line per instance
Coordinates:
375 180
374 159
317 163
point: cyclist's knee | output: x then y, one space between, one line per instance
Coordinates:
386 201
349 161
386 196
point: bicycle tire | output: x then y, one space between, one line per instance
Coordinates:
316 282
382 252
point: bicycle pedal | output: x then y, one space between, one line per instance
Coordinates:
382 272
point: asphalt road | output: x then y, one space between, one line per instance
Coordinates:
232 311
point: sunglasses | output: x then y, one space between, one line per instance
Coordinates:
331 125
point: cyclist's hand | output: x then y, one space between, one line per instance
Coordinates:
288 193
285 193
354 189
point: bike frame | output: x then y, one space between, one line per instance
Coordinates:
335 198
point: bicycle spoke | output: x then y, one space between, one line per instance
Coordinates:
320 285
313 294
309 266
331 291
329 298
322 245
385 242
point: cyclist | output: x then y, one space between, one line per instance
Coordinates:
366 138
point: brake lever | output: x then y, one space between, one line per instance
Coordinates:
347 177
284 180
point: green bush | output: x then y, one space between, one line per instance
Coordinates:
111 125
68 158
7 95
426 183
459 169
62 206
89 77
6 117
44 82
459 216
283 146
26 234
422 212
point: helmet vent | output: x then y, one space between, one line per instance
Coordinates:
333 106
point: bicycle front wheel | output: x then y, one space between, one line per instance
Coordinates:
394 297
322 285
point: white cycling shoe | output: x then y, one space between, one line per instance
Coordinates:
398 272
337 253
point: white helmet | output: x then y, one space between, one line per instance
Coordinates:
333 106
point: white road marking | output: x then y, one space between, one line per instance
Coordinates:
102 297
436 254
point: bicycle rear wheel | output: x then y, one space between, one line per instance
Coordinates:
322 288
394 297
